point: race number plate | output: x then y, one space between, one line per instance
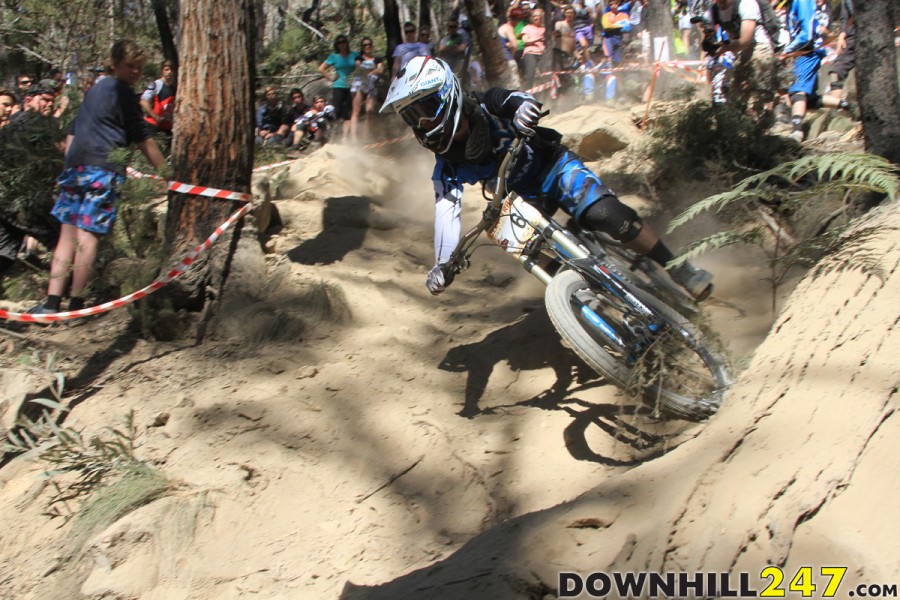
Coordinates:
512 231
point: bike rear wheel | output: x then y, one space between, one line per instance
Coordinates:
673 368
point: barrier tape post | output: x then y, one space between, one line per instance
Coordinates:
652 85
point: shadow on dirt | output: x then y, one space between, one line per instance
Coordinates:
345 221
532 344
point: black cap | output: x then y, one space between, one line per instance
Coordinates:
39 90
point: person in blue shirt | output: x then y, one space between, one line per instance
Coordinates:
272 123
109 117
343 62
806 48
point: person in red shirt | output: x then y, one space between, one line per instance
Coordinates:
158 100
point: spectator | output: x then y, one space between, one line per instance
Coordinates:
509 38
845 49
823 16
343 62
805 46
31 155
614 23
57 83
454 48
23 82
8 104
425 38
313 126
477 81
369 70
639 30
158 100
742 34
298 107
564 58
109 117
584 30
685 29
271 126
411 47
39 99
533 38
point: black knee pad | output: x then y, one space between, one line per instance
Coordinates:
613 218
798 97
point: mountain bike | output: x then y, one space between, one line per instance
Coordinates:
605 302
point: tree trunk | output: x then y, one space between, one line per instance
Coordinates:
425 13
658 17
392 27
213 142
876 76
170 52
493 60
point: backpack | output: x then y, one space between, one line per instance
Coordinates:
769 20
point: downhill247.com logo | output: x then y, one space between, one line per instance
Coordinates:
773 583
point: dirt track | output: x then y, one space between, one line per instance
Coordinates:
392 428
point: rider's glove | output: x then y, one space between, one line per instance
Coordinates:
439 277
710 46
527 117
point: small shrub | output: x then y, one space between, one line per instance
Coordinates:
704 138
804 185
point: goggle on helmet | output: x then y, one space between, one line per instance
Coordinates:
428 97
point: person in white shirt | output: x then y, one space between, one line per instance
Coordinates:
409 49
756 67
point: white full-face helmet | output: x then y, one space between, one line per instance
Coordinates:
428 96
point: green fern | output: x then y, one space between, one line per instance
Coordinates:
718 240
794 186
844 171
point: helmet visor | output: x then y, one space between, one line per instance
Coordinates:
427 114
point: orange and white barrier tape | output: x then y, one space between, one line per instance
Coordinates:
141 293
199 190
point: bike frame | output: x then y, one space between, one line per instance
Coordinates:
522 231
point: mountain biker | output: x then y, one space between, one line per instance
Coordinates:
469 134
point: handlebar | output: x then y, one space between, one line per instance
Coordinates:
459 259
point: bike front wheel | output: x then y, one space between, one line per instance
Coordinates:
663 358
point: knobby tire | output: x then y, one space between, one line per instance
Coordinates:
679 373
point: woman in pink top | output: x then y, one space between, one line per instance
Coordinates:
533 37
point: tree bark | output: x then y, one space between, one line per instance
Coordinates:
493 60
213 141
170 52
425 13
392 26
876 75
659 21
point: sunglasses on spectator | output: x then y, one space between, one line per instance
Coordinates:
26 82
342 42
409 30
366 44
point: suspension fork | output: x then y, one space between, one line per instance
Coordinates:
551 233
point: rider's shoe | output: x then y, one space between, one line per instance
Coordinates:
698 282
